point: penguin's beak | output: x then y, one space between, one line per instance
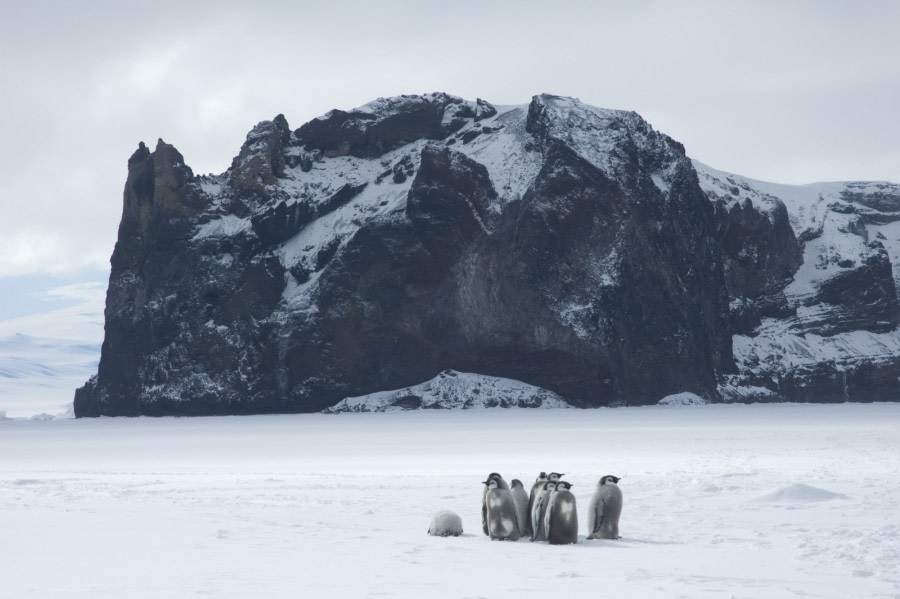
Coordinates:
484 482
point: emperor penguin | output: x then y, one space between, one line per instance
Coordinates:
517 489
500 484
536 488
538 533
501 512
605 509
445 524
561 517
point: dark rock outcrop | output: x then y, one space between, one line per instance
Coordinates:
568 247
388 124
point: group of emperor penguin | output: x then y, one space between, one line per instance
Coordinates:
548 513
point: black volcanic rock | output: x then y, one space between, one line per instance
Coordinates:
568 247
388 124
762 253
864 297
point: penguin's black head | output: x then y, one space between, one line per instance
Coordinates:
555 476
563 486
493 475
542 476
609 478
550 485
491 483
516 483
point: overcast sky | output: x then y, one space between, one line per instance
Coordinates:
783 91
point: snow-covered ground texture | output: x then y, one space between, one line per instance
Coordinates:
45 356
454 390
760 501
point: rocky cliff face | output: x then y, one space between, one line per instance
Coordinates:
828 332
571 248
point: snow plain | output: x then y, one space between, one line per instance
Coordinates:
765 501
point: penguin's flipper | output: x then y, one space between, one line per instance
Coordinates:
484 522
598 516
536 522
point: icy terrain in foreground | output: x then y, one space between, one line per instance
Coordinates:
763 501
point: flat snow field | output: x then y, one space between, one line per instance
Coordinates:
763 501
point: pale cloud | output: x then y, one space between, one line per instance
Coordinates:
791 92
28 251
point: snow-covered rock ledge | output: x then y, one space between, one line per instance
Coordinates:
452 390
685 398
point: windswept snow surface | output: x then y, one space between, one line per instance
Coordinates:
720 501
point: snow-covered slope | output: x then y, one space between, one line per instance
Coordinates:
454 390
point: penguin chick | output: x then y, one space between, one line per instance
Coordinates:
445 524
501 513
502 485
536 488
605 509
538 533
561 518
517 490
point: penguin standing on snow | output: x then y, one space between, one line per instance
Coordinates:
501 484
501 512
536 488
561 517
538 533
517 490
605 509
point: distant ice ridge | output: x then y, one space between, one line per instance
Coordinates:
45 356
454 390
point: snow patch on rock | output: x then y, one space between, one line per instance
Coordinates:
605 137
224 226
685 398
454 390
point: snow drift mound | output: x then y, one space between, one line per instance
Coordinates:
798 492
454 390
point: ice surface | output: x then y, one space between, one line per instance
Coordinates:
338 506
